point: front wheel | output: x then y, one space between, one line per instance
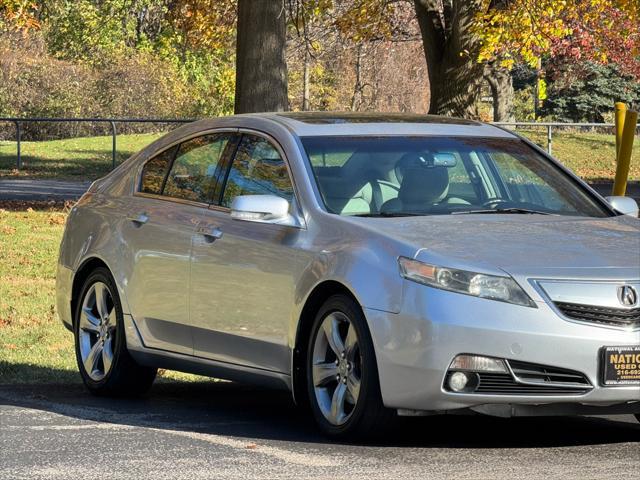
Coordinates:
342 375
104 362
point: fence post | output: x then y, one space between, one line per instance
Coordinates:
113 144
19 154
549 141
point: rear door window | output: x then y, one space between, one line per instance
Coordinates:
196 167
155 171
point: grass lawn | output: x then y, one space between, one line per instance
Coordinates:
590 155
83 158
34 346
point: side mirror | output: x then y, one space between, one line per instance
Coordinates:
625 205
262 208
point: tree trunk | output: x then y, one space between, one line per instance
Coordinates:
356 98
306 78
501 84
261 70
450 50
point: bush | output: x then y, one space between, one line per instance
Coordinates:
140 84
34 85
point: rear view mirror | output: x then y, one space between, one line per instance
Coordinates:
444 159
625 205
262 208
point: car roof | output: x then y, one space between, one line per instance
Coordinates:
306 124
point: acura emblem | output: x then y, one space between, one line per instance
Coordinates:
627 295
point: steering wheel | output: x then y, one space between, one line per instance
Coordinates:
494 202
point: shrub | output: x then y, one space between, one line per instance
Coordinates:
140 84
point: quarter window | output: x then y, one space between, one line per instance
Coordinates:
195 169
155 171
257 169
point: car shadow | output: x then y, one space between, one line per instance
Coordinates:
231 409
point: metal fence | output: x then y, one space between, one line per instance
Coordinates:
111 121
549 126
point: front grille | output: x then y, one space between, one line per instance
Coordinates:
504 384
533 373
618 317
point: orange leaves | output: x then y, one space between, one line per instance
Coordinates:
597 30
20 15
204 24
366 19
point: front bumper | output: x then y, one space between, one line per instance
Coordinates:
415 347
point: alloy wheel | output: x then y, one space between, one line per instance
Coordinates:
336 368
97 330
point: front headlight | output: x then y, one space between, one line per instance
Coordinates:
503 289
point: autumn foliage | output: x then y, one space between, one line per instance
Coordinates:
603 31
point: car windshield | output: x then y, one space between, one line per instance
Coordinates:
398 176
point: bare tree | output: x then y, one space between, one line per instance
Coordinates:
261 70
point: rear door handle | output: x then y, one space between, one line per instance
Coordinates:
210 233
140 219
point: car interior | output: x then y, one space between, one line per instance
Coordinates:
419 179
372 183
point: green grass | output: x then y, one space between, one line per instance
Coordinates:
83 158
590 155
34 345
30 334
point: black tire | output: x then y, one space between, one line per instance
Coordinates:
124 376
369 418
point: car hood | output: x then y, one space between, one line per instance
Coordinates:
529 245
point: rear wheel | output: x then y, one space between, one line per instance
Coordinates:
342 376
105 365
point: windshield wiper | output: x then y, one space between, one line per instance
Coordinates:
504 210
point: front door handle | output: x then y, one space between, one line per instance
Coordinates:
210 233
140 219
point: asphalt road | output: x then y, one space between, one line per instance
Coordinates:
223 430
41 189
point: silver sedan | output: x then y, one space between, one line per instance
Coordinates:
374 265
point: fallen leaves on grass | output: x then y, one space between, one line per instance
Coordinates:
31 206
57 219
56 347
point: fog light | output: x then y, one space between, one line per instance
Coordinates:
458 381
476 363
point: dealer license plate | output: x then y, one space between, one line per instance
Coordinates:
621 365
